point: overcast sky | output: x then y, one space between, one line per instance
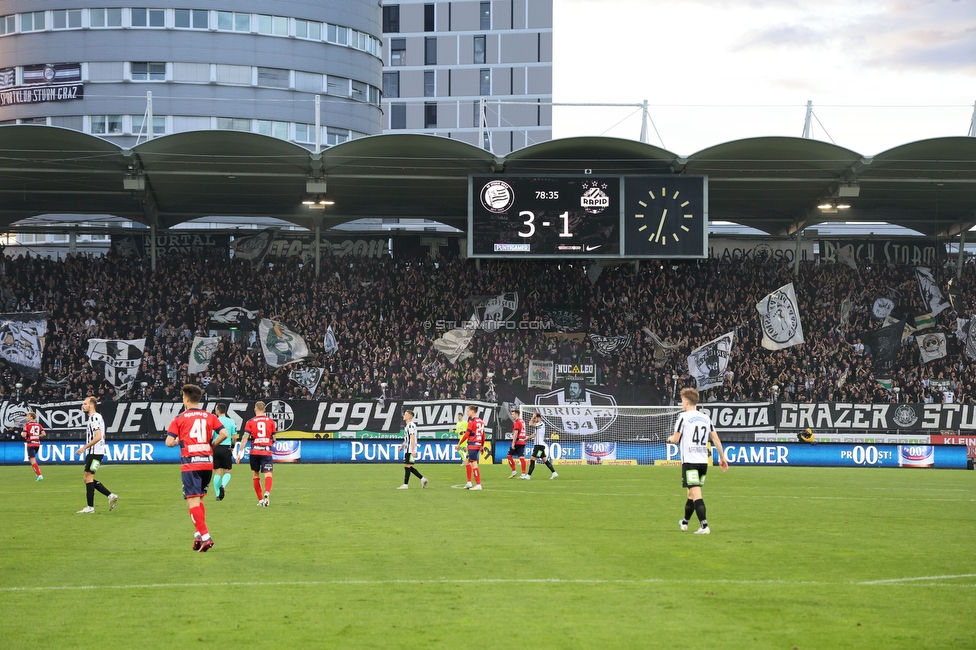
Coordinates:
880 72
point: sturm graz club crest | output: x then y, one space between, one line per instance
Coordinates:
781 319
497 196
577 411
905 416
281 412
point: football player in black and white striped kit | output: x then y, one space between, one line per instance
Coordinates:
94 451
693 429
409 449
539 450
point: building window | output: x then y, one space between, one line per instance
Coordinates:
485 81
32 22
391 84
66 19
398 116
8 24
274 129
479 49
336 34
106 17
374 95
391 19
233 124
139 125
148 17
106 124
192 19
230 21
273 25
335 136
305 29
273 77
34 120
428 18
429 84
305 133
430 115
143 71
360 91
430 50
485 15
398 51
337 86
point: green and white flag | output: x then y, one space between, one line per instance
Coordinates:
201 352
281 345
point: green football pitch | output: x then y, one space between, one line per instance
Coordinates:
797 558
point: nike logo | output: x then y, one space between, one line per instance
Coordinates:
593 248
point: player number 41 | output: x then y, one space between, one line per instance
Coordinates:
529 223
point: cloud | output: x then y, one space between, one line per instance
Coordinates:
783 36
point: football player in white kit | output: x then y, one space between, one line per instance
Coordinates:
693 429
539 448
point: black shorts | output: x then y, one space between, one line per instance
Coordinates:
92 462
409 459
196 482
539 451
32 451
473 455
223 458
693 474
263 464
516 450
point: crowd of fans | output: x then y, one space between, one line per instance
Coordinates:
386 314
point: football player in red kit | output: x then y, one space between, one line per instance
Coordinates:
33 432
261 429
518 443
475 437
191 430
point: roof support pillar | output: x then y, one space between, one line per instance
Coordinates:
318 246
962 256
796 256
152 247
73 242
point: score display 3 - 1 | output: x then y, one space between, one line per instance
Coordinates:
589 216
551 216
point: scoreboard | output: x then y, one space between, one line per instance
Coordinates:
588 216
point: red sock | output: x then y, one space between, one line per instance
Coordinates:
523 464
467 469
511 463
37 470
477 476
257 487
267 483
198 515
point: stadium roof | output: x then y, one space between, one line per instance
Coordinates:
773 184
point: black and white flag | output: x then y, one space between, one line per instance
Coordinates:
607 345
930 292
307 378
201 351
280 344
662 349
330 343
254 248
564 320
882 308
971 338
495 312
885 344
931 346
22 341
780 319
962 327
229 317
117 360
708 363
453 344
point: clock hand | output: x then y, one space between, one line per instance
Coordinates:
661 225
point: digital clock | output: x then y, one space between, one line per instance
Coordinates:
551 216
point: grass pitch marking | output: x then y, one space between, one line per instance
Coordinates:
920 581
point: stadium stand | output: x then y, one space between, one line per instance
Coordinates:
385 315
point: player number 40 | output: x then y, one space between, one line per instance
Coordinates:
529 223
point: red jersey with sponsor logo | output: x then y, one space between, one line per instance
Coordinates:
33 431
476 433
518 432
193 428
262 430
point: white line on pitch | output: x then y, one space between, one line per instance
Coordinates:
556 581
